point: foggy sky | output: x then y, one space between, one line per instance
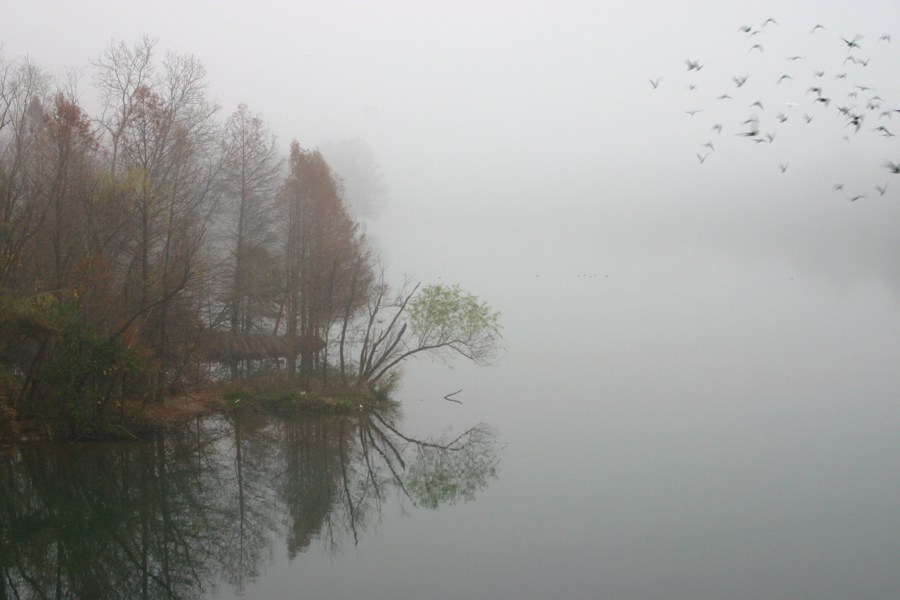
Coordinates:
528 131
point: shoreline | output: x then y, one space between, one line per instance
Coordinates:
138 419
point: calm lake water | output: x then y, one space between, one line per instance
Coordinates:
654 431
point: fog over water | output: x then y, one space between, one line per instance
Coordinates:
700 395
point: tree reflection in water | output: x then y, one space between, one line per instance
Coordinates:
169 517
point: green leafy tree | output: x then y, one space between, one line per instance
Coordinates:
444 321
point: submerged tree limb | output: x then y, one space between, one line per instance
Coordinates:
451 398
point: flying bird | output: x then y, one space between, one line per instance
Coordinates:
894 167
852 43
783 166
702 159
855 198
717 128
759 104
885 38
881 189
755 47
818 26
693 112
655 82
693 65
769 20
740 80
753 122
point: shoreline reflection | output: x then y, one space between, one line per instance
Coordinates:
207 503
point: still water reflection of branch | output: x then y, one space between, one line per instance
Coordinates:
207 504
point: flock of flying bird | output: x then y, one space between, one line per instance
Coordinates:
839 94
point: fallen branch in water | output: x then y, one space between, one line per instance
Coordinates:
450 396
129 433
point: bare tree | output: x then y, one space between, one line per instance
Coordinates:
250 176
23 89
162 142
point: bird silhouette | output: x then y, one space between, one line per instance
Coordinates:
894 167
818 26
655 82
881 189
852 43
783 166
753 122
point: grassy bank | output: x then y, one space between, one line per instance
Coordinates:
269 394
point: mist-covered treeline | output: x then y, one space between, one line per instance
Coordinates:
161 241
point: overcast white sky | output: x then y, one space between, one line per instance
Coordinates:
530 130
